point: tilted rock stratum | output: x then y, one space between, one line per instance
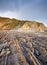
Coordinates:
23 48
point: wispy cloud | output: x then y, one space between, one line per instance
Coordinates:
10 14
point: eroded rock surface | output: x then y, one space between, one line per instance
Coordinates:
18 48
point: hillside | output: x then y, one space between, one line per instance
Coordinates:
7 23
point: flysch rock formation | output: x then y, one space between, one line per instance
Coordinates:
20 48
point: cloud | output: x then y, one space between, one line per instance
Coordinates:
10 14
24 9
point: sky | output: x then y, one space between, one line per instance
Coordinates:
35 10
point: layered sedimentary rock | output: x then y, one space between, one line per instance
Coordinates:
19 48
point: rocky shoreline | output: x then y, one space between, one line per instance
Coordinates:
20 48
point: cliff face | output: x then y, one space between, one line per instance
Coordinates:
6 23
